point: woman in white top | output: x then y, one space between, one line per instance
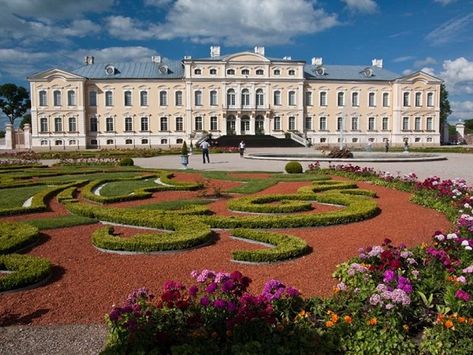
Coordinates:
242 148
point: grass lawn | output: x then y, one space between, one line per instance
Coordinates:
125 187
15 197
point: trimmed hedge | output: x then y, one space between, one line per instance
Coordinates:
259 204
61 222
293 167
14 236
319 186
286 246
26 270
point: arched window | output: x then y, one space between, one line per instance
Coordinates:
143 98
198 98
128 141
43 98
197 71
163 124
354 123
245 97
341 99
371 99
128 124
323 98
72 124
260 72
292 98
355 99
230 97
418 99
109 125
292 72
259 97
108 98
430 99
127 98
245 72
71 98
163 98
144 124
213 71
231 72
385 99
277 72
277 98
43 127
109 141
57 98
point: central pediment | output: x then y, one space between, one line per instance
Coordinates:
246 57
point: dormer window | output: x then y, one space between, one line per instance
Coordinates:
368 72
109 69
245 72
213 71
277 72
198 71
231 72
259 72
292 72
320 71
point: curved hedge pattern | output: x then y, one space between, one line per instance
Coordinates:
25 270
15 236
262 204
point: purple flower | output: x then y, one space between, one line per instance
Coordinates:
228 285
220 304
375 299
211 287
389 306
204 301
462 295
193 291
292 292
389 276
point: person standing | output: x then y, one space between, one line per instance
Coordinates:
205 150
242 148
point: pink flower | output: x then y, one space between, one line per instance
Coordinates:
462 295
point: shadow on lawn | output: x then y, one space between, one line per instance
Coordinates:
8 319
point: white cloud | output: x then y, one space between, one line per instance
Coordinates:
424 62
362 6
458 75
113 54
158 3
445 2
403 59
239 22
407 72
462 109
450 31
429 70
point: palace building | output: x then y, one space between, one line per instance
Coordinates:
161 103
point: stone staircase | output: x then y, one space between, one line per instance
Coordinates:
256 141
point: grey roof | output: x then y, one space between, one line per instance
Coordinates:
133 70
348 72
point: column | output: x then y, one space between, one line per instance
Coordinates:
188 118
238 124
223 126
9 144
266 124
27 135
252 124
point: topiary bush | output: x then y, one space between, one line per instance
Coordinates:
126 162
14 236
293 167
25 270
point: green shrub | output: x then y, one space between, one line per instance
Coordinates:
26 270
15 236
126 162
293 167
61 222
263 204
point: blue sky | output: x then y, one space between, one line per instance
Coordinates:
409 35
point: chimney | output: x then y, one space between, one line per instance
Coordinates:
88 60
317 61
377 63
156 59
287 58
187 57
259 50
214 51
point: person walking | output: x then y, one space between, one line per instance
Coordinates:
242 148
386 146
205 150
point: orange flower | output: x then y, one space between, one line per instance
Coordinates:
448 324
303 314
470 321
336 290
461 319
334 318
347 319
329 324
373 321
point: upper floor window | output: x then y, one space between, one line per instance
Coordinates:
292 98
127 98
418 99
385 99
58 124
430 99
323 98
93 124
144 98
405 123
259 97
308 98
43 98
178 98
108 98
430 124
245 72
198 71
323 123
109 124
245 97
355 99
213 98
354 123
277 72
92 98
213 71
198 124
339 123
198 98
259 72
277 123
213 123
231 97
385 123
371 124
277 98
163 124
43 127
417 124
144 124
341 99
163 98
71 98
291 72
179 124
292 123
405 99
308 123
57 98
128 124
231 72
72 124
371 99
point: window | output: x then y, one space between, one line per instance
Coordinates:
354 123
43 98
71 98
292 98
144 141
339 123
128 141
385 123
277 123
245 97
323 140
44 142
292 123
277 98
418 99
323 98
108 98
259 72
355 102
277 72
430 125
385 99
92 98
341 99
109 125
213 123
323 123
179 124
308 123
245 72
213 98
417 123
354 140
164 141
371 99
179 141
430 99
198 98
259 97
292 72
144 124
58 124
231 72
198 124
371 124
405 99
213 71
43 125
58 142
308 98
405 123
163 124
127 98
163 98
93 124
72 124
109 141
429 140
143 98
57 98
128 124
198 71
178 98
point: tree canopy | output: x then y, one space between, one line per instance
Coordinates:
445 109
14 101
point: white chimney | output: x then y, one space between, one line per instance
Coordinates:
88 60
259 50
377 63
214 51
317 61
287 58
187 57
156 59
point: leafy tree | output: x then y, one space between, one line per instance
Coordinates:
26 119
469 125
14 101
445 109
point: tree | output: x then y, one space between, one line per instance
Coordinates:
14 101
445 109
26 119
469 125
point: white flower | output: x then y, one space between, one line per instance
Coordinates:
467 205
468 248
452 236
465 243
440 237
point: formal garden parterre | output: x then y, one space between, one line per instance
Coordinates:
402 292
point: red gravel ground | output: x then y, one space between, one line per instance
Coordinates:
87 282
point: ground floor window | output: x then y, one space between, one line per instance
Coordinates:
323 140
429 140
109 141
417 140
179 141
385 123
164 141
323 123
128 141
179 124
44 142
144 141
109 125
58 142
198 124
72 142
308 123
354 140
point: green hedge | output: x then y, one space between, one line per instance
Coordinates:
260 204
14 236
319 186
61 222
286 246
26 270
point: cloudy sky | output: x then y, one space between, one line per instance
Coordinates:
431 35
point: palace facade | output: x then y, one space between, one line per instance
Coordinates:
161 103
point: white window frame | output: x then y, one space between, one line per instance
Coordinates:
386 103
259 97
57 98
109 98
277 123
128 124
291 98
322 123
213 123
43 98
164 124
109 125
371 123
179 124
177 98
277 98
71 98
355 99
340 99
127 98
198 98
58 127
323 99
72 124
163 98
43 125
143 98
418 99
144 124
213 98
371 99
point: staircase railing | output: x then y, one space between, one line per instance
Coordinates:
299 139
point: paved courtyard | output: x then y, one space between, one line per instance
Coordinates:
456 165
